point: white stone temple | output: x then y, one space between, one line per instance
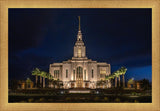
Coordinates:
80 72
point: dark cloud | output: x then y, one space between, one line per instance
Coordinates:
27 29
21 66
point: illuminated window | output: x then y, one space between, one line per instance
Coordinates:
79 72
66 73
102 76
102 71
79 52
92 73
56 73
79 37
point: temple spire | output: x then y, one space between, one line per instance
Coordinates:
79 36
79 23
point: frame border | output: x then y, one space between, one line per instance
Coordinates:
153 4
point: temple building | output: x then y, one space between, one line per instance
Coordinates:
79 71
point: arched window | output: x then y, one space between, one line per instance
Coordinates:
56 73
79 72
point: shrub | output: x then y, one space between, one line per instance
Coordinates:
30 100
134 93
136 101
68 99
88 98
50 100
76 98
96 98
41 100
126 102
106 99
117 100
22 101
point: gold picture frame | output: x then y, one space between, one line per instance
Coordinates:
5 4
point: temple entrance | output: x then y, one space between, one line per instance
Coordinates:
79 77
72 85
86 85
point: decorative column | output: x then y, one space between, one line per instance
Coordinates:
123 81
115 81
119 81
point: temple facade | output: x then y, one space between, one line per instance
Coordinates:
79 71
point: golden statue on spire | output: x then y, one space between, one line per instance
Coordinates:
79 23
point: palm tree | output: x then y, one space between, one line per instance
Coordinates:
47 76
110 77
40 77
123 70
115 81
58 83
117 74
54 82
36 72
43 74
50 78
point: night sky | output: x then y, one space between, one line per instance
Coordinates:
39 37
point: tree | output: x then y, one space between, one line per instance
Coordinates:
36 73
14 84
116 74
145 84
50 78
123 71
47 76
59 83
40 77
54 82
44 75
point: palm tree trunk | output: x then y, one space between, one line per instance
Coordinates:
40 81
36 80
43 82
119 81
115 81
111 82
50 83
123 81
